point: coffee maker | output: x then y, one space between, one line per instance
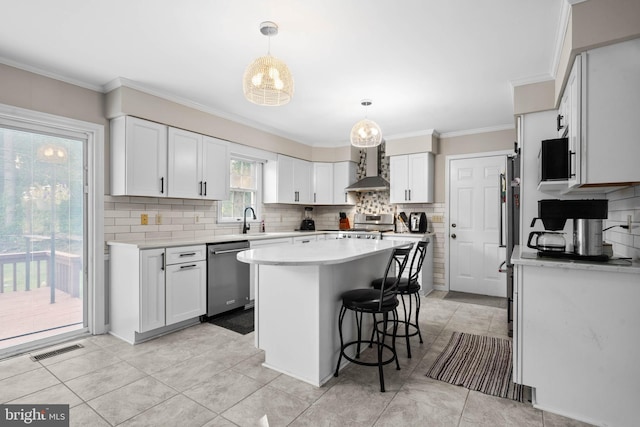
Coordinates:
587 216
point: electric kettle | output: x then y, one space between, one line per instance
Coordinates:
547 241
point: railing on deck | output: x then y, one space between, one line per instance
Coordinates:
31 270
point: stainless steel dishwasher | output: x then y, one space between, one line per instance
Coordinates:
227 278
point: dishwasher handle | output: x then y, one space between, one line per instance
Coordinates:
227 251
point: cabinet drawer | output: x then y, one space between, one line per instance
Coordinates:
186 254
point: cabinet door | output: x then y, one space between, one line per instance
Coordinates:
152 295
186 291
344 174
145 158
398 175
215 169
420 178
302 172
323 183
285 178
572 93
184 165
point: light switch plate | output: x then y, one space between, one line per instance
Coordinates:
144 219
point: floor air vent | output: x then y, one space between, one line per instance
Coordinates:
49 354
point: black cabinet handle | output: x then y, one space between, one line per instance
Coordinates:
162 263
188 254
162 185
409 194
559 121
572 156
200 192
205 188
187 266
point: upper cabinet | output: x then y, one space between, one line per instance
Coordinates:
330 181
287 180
152 159
138 157
323 183
198 166
603 90
411 177
344 174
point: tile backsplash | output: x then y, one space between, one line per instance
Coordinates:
623 204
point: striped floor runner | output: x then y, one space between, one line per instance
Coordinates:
478 363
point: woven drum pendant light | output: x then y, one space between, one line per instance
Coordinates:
366 133
267 80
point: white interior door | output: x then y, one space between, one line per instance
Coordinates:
474 223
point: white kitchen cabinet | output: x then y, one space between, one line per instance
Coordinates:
152 294
603 117
138 157
154 291
198 166
344 174
186 283
411 177
571 343
287 180
323 183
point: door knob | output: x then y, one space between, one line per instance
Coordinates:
453 236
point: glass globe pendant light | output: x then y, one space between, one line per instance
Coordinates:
366 133
267 80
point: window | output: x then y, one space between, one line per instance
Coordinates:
244 190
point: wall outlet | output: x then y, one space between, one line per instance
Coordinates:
158 219
144 219
437 218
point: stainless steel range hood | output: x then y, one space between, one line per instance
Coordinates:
373 181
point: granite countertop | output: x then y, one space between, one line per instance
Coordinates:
322 252
522 256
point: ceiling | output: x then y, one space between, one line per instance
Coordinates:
444 65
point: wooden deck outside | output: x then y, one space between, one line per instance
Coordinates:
24 312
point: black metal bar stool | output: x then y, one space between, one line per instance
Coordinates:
374 301
409 287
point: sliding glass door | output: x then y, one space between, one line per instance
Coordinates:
43 288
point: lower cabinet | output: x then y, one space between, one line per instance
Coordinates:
573 339
186 291
153 289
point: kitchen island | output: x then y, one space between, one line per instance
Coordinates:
575 336
298 289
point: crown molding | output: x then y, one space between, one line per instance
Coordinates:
426 132
49 74
476 131
124 82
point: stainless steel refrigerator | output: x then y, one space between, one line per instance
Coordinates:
510 223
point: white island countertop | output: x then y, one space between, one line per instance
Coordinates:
522 256
322 252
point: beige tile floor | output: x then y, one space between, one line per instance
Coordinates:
208 376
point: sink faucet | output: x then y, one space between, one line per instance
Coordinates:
246 226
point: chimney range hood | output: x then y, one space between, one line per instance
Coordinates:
372 181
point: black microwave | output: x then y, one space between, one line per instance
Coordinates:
553 160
